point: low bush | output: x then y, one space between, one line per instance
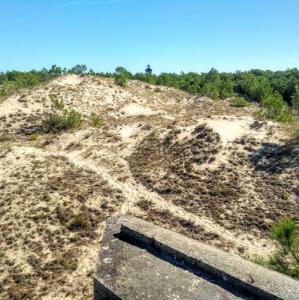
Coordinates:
286 257
121 80
285 233
239 102
275 108
55 122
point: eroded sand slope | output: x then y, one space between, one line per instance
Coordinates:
196 166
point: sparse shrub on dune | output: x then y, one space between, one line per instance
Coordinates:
121 80
285 233
239 102
286 257
121 76
274 107
61 119
55 122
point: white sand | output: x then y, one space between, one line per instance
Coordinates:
136 109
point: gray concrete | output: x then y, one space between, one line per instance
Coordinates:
139 260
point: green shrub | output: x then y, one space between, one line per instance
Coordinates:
121 80
210 90
95 120
285 233
55 122
239 102
275 108
295 99
286 258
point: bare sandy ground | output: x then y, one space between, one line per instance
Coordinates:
196 166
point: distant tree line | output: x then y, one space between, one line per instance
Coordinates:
278 91
12 81
254 85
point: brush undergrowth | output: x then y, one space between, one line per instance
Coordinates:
286 258
61 119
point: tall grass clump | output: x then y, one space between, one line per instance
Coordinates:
96 121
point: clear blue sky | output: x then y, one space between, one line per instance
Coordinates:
171 35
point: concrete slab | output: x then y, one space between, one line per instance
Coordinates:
139 260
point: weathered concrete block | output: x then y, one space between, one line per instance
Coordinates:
139 260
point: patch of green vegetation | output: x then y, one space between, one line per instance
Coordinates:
296 131
121 80
277 92
96 121
121 76
239 102
57 122
276 109
13 81
286 257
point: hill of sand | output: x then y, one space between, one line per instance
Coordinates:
193 165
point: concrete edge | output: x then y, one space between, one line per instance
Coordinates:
253 278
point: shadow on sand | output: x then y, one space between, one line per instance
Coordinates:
276 159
